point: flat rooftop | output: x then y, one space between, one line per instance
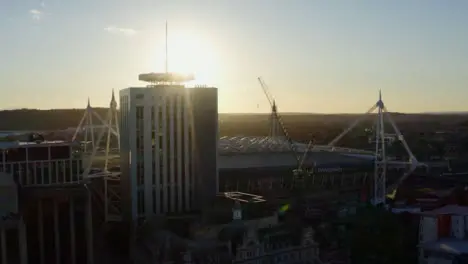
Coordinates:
451 209
23 144
447 245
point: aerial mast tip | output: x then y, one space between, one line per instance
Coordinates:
166 50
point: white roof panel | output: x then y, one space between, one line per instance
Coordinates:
249 144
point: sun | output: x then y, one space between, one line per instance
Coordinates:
192 54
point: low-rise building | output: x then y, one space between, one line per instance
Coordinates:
443 235
240 241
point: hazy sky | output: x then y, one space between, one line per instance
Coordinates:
316 56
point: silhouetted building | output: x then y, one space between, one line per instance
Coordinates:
169 137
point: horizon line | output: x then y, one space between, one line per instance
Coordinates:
266 113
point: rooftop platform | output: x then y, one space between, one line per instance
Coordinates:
167 77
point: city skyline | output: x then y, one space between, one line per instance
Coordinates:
316 56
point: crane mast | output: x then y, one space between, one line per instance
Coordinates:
299 173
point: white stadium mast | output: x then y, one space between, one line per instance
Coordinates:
110 126
112 121
86 126
381 160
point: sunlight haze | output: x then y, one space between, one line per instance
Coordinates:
316 56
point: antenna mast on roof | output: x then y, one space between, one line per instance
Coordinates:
166 77
166 50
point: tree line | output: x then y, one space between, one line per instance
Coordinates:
301 127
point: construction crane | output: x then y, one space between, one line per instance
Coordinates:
299 173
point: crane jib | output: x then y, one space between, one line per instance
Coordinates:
280 122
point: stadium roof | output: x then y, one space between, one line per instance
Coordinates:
237 145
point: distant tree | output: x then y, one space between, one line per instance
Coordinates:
377 236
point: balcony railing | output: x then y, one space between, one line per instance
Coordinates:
45 173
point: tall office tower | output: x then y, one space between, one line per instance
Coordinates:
169 138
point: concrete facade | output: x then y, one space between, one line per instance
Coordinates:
168 149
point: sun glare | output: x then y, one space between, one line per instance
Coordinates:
191 54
